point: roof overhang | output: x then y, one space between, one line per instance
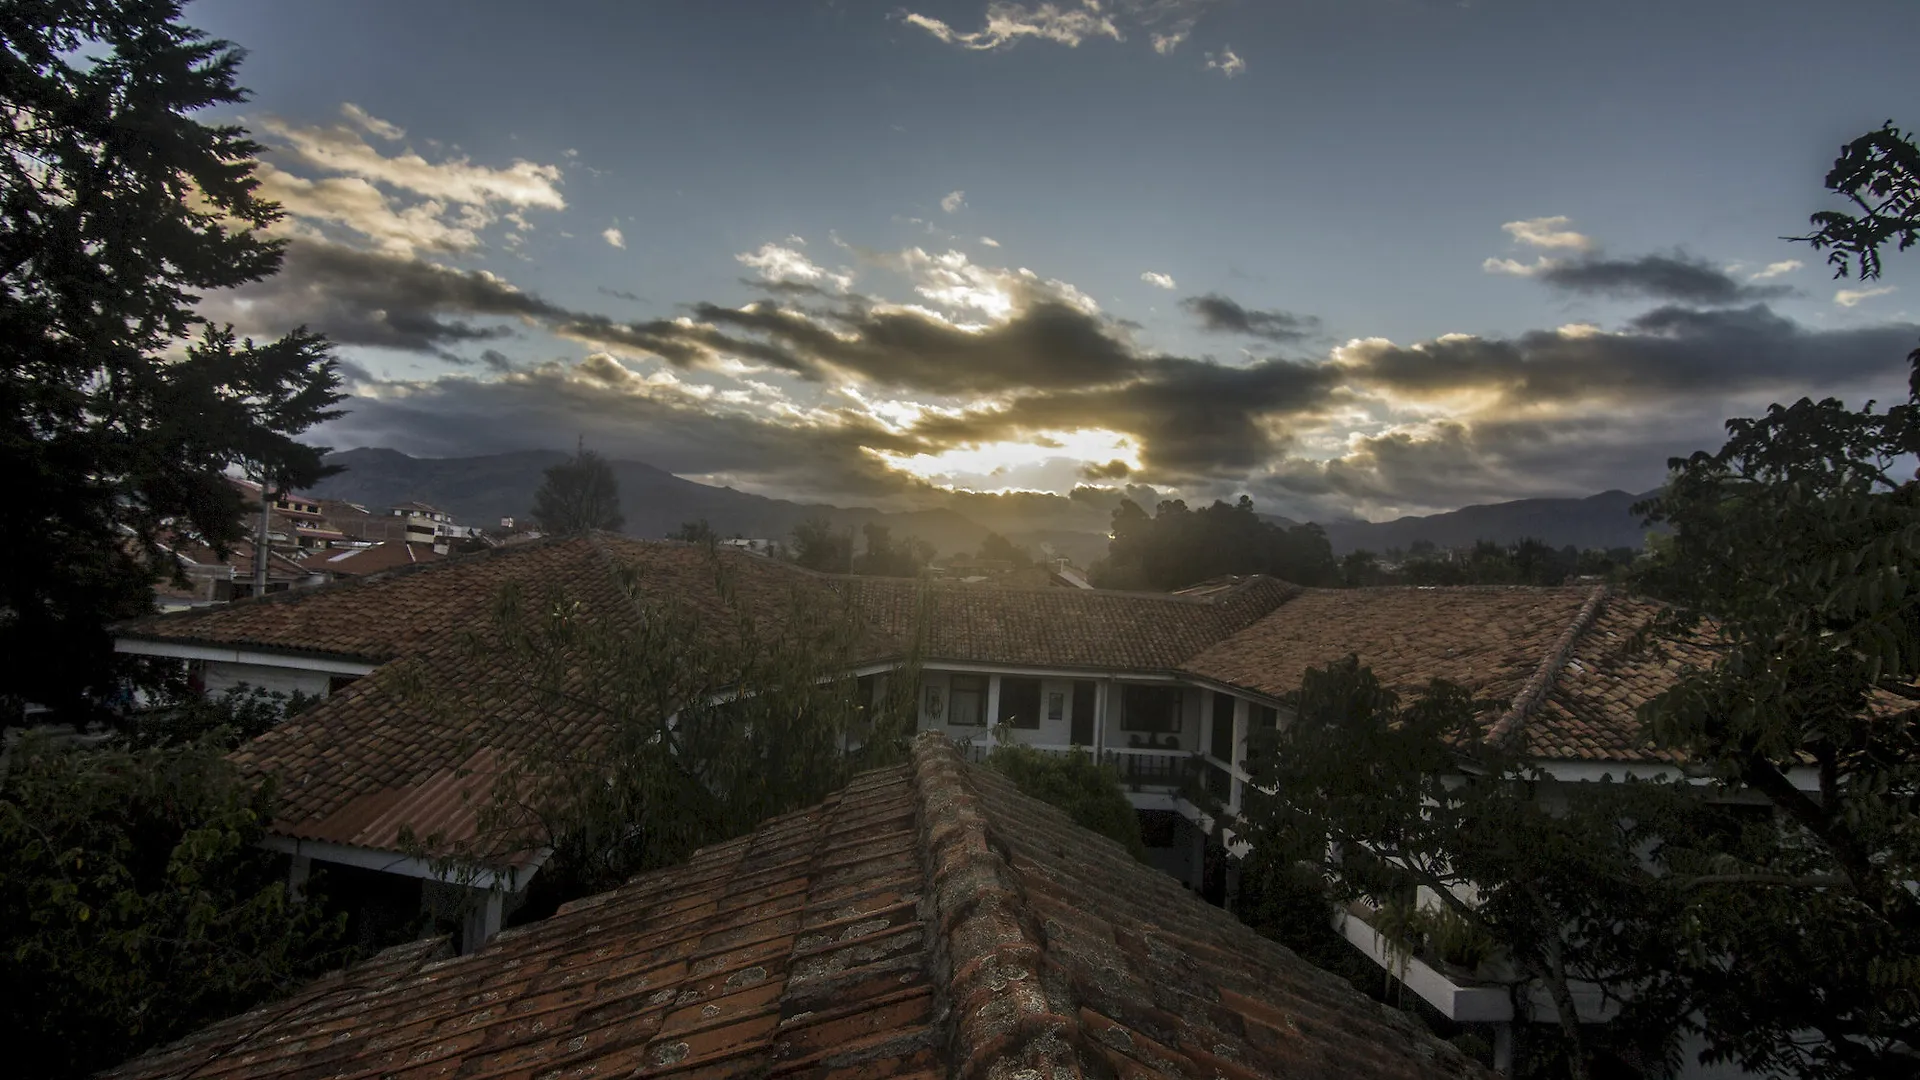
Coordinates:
512 878
187 650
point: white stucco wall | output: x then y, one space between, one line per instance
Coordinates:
220 676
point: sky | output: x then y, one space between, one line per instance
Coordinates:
1355 258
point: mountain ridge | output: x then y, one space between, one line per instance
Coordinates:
482 489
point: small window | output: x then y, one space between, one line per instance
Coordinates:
1019 702
1266 717
967 701
1150 708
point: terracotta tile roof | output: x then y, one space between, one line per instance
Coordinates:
352 768
1071 628
386 555
404 611
1490 639
925 922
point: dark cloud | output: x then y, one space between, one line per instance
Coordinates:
1219 314
1677 277
1048 343
1667 354
622 294
369 298
1550 412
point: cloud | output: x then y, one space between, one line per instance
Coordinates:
329 178
373 124
778 264
339 149
1112 470
1219 314
953 201
379 299
613 236
1158 280
1677 277
360 207
1774 270
1850 297
1548 232
989 241
1064 24
622 294
1167 23
1226 63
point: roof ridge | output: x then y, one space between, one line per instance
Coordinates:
987 955
1535 689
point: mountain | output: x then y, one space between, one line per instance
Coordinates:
482 490
1597 521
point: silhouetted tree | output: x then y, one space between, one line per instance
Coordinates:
1795 549
887 557
578 496
1000 549
1177 547
121 410
695 532
817 545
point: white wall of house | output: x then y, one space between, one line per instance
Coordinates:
220 676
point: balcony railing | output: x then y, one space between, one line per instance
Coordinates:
1141 769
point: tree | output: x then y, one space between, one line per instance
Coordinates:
578 496
817 545
997 548
1795 551
695 532
136 903
659 722
1178 547
886 557
1085 790
121 411
1383 800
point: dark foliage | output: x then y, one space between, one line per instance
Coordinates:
1088 792
1178 547
120 411
578 496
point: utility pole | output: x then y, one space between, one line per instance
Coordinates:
260 543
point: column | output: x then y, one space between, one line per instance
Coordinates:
483 919
993 709
1241 711
1102 705
297 877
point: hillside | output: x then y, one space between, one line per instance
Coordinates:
1597 521
482 490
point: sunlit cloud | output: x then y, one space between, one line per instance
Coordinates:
1068 24
777 263
1548 232
953 201
1158 280
1852 297
613 236
373 124
1227 63
1774 270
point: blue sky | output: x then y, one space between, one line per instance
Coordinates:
1379 176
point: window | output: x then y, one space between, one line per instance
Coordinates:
967 701
1019 702
1150 708
1222 748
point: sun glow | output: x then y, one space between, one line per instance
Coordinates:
1047 460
